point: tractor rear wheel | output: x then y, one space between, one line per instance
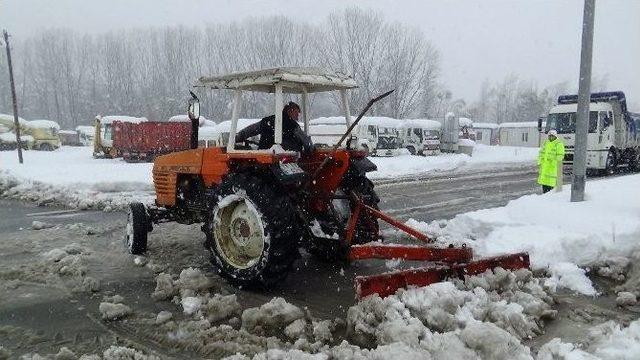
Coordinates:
367 228
252 231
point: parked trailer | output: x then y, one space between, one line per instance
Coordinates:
612 138
421 136
486 133
86 134
146 140
103 144
69 138
519 134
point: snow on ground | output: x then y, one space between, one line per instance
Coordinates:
403 165
71 176
558 235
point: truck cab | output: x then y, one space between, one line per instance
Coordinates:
45 134
612 133
326 132
388 140
421 136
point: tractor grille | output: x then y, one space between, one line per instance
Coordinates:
164 183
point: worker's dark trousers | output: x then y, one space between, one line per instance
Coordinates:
546 188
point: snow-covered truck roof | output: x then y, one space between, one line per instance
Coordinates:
571 108
421 124
43 124
208 133
7 120
380 121
480 125
123 118
68 132
295 80
10 137
463 121
185 118
85 129
523 124
225 126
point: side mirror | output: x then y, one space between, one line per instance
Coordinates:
539 125
194 107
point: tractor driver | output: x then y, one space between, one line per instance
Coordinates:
293 138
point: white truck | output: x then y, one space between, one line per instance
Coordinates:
377 135
421 136
612 139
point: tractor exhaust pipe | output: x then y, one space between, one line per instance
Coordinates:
194 116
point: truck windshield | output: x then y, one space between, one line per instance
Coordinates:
107 131
431 134
565 123
387 131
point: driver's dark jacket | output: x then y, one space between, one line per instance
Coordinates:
293 138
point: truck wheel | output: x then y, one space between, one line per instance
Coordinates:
137 228
252 231
46 147
610 165
412 150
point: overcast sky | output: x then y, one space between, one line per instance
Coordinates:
487 39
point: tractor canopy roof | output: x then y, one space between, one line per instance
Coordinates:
294 80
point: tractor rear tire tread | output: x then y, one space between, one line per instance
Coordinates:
281 226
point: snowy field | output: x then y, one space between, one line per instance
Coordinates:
71 176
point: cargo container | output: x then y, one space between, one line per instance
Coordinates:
145 140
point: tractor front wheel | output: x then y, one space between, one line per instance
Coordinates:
138 225
252 232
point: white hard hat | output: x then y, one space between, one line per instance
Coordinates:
553 132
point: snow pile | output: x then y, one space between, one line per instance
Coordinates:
483 316
483 155
606 341
569 276
71 177
271 317
112 353
512 302
113 311
70 262
557 234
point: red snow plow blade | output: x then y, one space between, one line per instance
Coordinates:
388 283
446 262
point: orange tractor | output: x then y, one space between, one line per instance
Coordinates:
259 206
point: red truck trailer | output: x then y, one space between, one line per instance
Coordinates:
146 140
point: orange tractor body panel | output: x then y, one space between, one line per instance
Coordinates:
212 164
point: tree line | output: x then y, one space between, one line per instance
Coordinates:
70 77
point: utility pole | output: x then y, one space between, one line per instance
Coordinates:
584 98
13 95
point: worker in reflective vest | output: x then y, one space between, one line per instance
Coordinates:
550 157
